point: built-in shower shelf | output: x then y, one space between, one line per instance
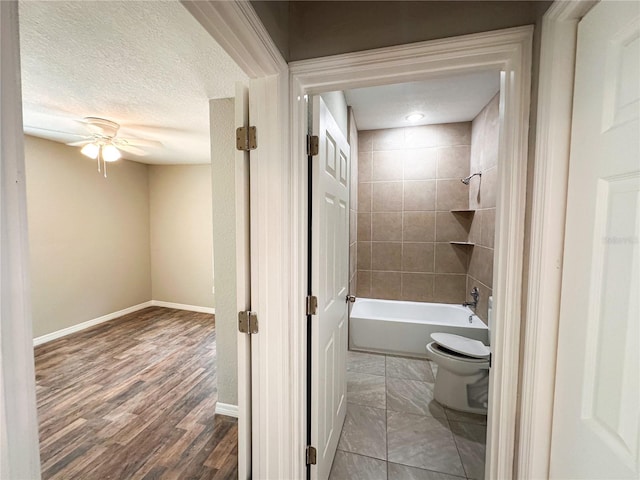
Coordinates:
463 244
463 211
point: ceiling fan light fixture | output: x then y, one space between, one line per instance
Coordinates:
91 150
110 153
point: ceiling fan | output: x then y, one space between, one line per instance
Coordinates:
103 144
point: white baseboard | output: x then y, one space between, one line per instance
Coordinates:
89 323
182 306
227 409
110 316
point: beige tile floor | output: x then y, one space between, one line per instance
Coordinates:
395 429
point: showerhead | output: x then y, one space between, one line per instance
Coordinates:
468 179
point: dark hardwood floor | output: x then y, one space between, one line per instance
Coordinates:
134 398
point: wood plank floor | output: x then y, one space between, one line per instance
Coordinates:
134 398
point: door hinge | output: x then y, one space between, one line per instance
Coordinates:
248 322
490 355
313 145
312 305
246 138
311 455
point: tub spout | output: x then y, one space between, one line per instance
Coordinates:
475 294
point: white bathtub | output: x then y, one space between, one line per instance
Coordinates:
405 328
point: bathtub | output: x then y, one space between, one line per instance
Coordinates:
405 328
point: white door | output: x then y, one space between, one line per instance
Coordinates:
243 286
330 277
596 428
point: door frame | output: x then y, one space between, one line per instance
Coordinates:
509 50
548 214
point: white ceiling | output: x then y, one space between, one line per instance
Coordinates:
149 66
450 99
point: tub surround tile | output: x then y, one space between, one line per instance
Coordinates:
420 164
419 195
450 288
386 285
386 227
475 232
386 256
422 136
365 389
365 140
387 166
453 162
451 258
364 432
417 257
387 197
417 287
364 166
452 195
453 227
465 417
470 440
423 442
487 238
489 188
409 369
349 466
481 264
353 258
363 284
403 472
454 133
364 227
364 255
412 396
388 139
418 226
364 197
370 363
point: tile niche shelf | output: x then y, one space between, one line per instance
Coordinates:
466 213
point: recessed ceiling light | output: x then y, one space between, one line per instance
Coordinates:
414 117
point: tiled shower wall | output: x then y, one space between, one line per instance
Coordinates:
353 204
408 185
482 198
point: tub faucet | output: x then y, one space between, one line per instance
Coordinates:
475 294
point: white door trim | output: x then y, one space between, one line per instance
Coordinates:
19 448
277 441
553 135
509 50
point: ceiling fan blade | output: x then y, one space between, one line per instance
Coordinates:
80 143
131 149
138 142
57 132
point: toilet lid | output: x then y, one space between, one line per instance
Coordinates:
462 345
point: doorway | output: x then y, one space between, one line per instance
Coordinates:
514 92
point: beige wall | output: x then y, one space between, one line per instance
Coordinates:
223 169
310 29
181 234
482 197
408 183
89 236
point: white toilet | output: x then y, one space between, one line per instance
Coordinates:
462 382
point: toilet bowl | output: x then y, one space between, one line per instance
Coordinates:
462 381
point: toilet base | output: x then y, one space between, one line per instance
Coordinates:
463 393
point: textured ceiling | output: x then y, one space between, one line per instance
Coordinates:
441 100
149 66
